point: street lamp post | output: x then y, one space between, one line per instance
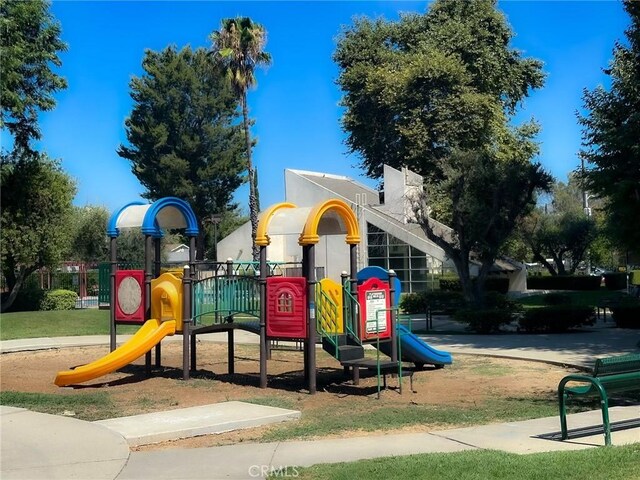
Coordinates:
215 219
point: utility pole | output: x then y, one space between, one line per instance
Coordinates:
587 210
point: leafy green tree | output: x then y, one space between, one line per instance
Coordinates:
183 136
89 241
436 93
35 219
559 237
239 48
30 43
560 231
611 137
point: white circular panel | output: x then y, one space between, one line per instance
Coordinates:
129 295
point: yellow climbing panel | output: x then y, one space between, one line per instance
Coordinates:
329 307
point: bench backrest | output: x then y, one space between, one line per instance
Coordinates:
616 365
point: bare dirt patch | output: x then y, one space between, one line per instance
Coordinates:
469 381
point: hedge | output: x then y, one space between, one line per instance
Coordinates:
59 300
564 282
498 311
488 320
626 313
615 281
500 285
556 318
439 300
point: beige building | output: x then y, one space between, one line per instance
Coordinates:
389 238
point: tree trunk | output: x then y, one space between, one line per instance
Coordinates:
253 203
14 284
539 258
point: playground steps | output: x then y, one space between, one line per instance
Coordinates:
371 364
344 351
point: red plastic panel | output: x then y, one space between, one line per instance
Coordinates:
374 297
130 296
287 307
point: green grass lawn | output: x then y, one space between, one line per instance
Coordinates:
359 414
610 463
88 406
57 323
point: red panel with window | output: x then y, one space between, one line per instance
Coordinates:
287 307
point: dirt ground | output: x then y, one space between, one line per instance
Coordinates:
471 379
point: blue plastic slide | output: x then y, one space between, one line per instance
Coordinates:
416 351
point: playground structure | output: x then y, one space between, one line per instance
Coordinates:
344 316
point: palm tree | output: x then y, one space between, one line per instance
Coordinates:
239 47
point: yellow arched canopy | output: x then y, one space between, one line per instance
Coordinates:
309 235
262 238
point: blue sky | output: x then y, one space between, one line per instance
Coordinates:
296 103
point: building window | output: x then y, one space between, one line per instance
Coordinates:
415 268
285 303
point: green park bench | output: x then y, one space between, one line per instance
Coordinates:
613 374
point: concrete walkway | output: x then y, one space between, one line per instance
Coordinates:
36 445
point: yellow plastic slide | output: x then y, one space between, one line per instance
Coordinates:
149 335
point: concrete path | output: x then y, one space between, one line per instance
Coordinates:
37 445
245 461
194 421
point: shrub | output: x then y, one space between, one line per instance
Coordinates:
564 282
556 299
500 285
626 313
450 285
29 297
486 320
491 284
556 318
615 281
59 300
413 302
439 300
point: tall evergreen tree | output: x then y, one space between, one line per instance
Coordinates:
436 93
611 137
239 48
183 134
30 43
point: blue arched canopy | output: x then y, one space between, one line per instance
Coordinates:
165 213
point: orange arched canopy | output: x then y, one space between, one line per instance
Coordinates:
309 235
262 238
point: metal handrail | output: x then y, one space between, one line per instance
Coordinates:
351 303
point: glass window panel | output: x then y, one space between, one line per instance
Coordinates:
377 251
419 274
374 229
395 241
377 239
399 250
418 263
403 275
399 263
419 286
378 262
417 253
